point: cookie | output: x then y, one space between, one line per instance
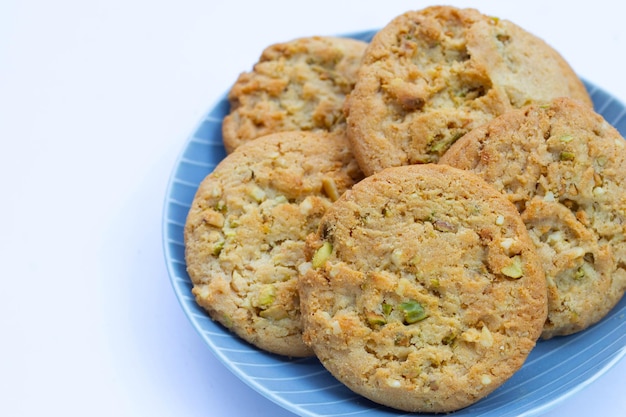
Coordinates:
246 228
564 167
296 85
432 75
424 291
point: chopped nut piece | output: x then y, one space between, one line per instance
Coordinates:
322 255
394 383
330 188
257 193
549 197
214 218
267 295
216 192
306 206
396 257
220 206
444 226
274 313
507 244
486 338
449 339
579 274
375 319
413 311
598 191
514 269
304 267
576 252
280 199
386 308
217 248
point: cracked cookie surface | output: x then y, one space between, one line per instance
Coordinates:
564 167
295 85
245 232
432 75
424 291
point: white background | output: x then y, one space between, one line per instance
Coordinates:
96 101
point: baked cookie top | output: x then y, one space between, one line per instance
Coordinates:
246 228
564 167
424 291
432 75
296 85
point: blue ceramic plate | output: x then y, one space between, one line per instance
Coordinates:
555 369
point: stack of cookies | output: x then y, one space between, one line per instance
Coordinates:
416 212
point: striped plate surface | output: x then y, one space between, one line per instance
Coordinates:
555 369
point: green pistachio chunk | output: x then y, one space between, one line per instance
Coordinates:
217 247
386 308
267 295
579 274
449 339
375 319
413 311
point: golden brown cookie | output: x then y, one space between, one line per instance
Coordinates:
432 75
296 85
245 232
564 167
424 291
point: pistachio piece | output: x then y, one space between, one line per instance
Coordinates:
444 226
257 193
514 269
486 338
579 274
449 339
375 319
322 255
266 297
220 206
413 311
274 313
330 188
386 308
214 218
217 247
567 156
586 270
549 197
